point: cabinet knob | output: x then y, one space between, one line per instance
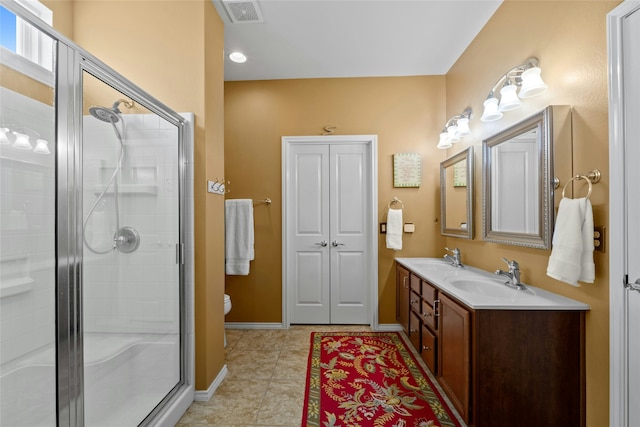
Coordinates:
427 314
413 331
414 301
426 347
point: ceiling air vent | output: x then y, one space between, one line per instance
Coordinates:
243 12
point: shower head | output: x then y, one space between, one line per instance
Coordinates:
109 115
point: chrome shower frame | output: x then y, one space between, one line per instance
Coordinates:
72 62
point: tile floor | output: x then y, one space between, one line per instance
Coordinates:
265 382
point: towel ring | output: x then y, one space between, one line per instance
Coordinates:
575 178
395 201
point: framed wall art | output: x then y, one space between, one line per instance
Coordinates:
406 170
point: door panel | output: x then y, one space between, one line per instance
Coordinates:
631 46
349 280
517 215
309 226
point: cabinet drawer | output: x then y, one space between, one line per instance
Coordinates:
415 284
428 349
429 292
414 329
429 316
414 302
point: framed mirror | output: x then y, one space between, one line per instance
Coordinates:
518 178
456 195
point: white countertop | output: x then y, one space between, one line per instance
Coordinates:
479 289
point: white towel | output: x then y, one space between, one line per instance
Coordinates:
394 229
571 258
238 219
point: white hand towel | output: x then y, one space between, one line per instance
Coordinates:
572 243
394 229
588 267
239 236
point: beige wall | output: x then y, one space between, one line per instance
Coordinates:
569 38
405 113
174 51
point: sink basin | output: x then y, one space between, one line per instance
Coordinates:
486 287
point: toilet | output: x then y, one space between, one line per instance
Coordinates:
227 309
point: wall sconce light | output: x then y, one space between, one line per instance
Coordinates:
455 129
22 139
525 76
4 139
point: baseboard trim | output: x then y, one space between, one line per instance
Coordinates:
205 395
389 327
249 325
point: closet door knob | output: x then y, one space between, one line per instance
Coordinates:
634 286
323 243
336 243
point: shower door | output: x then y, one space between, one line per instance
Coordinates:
131 271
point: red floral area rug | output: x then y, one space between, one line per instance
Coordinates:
359 379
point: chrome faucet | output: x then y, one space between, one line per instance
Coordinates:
513 274
455 259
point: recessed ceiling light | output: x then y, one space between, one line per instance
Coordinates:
238 57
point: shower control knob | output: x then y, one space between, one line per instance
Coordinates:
127 239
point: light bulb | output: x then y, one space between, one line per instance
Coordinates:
238 57
22 141
452 134
532 83
508 98
42 147
491 112
444 142
463 126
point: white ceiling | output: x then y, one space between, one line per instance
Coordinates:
353 38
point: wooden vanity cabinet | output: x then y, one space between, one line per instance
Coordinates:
499 367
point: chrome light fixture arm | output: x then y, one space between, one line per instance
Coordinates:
514 75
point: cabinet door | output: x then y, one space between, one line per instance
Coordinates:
454 367
429 316
414 330
402 297
414 302
428 349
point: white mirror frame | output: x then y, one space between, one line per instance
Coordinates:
446 229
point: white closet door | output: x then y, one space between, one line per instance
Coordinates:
328 256
308 225
349 226
631 46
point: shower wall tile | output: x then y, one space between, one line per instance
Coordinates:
145 280
27 200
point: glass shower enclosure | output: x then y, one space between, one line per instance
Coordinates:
96 270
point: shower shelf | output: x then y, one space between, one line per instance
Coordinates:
133 189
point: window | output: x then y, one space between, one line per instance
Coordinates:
24 47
